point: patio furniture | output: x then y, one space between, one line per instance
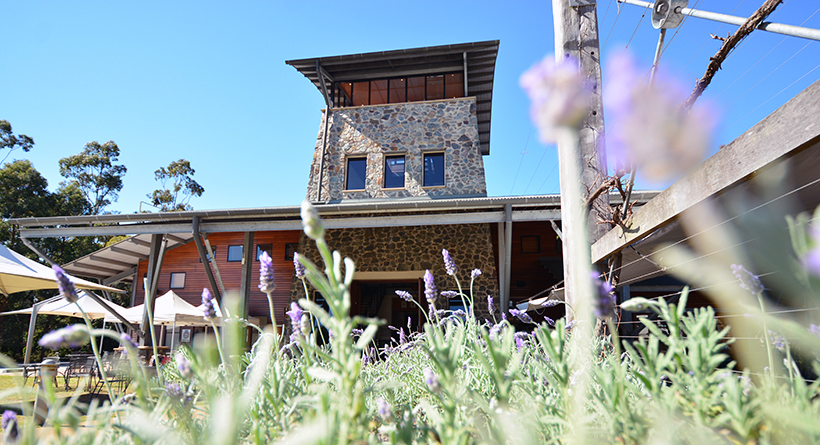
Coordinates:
80 366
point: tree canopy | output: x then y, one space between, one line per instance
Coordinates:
178 187
94 173
10 142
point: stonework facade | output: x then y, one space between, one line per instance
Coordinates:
418 248
409 129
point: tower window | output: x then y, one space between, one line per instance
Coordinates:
433 169
356 171
394 172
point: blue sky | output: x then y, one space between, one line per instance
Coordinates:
206 81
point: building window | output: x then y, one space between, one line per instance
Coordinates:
398 90
356 170
234 253
394 172
208 256
433 169
178 280
530 244
264 248
290 249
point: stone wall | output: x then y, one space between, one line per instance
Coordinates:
407 128
416 248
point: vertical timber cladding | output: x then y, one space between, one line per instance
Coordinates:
185 259
417 248
411 129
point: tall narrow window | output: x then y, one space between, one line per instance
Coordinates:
378 92
453 85
235 253
361 93
356 169
398 90
435 87
415 89
394 172
433 169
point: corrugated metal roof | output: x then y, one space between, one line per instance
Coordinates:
480 60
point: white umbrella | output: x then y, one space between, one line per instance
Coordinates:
18 274
59 306
169 309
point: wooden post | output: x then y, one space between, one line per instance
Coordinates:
576 36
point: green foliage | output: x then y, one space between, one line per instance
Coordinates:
178 187
9 141
94 174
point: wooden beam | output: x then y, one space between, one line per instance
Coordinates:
790 128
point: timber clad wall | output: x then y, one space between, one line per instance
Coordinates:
185 259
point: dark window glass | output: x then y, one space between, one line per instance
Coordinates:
398 91
264 248
235 253
433 169
530 244
361 93
356 168
347 93
378 92
454 85
415 89
435 87
394 172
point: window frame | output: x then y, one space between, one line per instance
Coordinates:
423 169
344 99
213 249
537 239
347 173
259 250
241 253
171 284
404 172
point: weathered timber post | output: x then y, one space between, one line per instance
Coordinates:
576 36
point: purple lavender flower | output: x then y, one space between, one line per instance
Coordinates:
311 222
605 301
654 132
404 295
748 280
495 331
298 267
356 332
490 304
449 264
72 336
449 294
127 343
9 424
64 284
384 409
175 391
184 367
778 341
549 321
475 273
570 325
551 303
459 313
295 314
431 379
429 287
560 97
815 329
521 315
520 339
208 308
266 282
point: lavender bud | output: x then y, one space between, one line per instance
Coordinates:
449 294
521 315
127 343
559 95
175 391
605 301
520 339
64 284
429 287
385 411
184 367
295 314
490 304
9 423
551 303
778 341
266 282
207 306
449 264
298 267
815 329
72 336
475 273
431 380
311 222
495 331
404 295
549 321
748 280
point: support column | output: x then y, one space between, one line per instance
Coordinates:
248 255
154 265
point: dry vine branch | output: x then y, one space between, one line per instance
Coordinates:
728 45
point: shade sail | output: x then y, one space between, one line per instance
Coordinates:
59 306
169 309
19 274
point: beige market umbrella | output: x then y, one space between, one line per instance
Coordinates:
18 274
59 306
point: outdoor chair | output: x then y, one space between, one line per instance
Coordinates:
80 366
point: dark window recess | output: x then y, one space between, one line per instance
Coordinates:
208 256
264 248
356 170
398 90
290 249
433 169
235 253
178 280
394 172
530 244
